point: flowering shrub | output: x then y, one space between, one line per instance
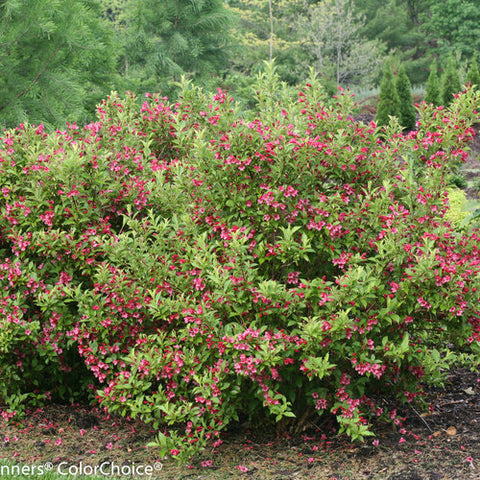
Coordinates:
193 268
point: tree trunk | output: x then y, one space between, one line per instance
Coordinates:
271 28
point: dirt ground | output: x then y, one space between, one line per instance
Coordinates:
442 446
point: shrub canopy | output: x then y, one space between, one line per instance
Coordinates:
192 268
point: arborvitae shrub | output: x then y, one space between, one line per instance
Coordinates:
473 75
450 82
389 103
406 112
433 86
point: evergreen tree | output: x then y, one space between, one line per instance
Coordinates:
453 25
265 29
473 75
166 39
57 58
396 24
406 112
388 104
450 82
433 88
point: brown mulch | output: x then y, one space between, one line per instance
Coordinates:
444 445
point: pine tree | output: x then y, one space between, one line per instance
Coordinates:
450 82
262 32
166 39
399 25
388 104
452 25
473 75
433 88
406 112
57 58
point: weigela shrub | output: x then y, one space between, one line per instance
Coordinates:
193 267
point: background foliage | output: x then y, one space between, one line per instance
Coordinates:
57 60
60 58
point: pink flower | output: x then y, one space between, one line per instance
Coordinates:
58 442
242 468
198 283
293 277
375 443
47 218
424 303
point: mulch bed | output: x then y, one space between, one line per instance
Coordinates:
444 445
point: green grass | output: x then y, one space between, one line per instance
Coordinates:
368 93
471 205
